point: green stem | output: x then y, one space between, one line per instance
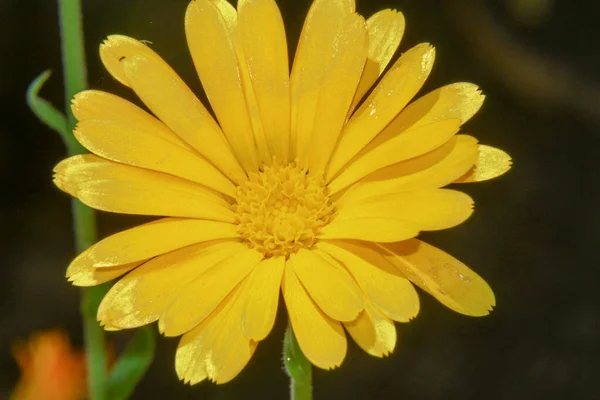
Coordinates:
84 218
297 366
84 225
84 221
73 52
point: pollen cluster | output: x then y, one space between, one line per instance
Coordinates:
281 209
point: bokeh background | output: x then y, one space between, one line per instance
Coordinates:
533 237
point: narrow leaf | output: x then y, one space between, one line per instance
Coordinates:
132 365
45 111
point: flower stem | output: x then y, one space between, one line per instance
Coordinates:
297 366
73 52
84 218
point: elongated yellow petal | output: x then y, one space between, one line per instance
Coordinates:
230 17
263 150
321 339
455 101
426 210
156 238
382 153
182 112
385 29
399 85
98 105
383 284
216 349
329 285
491 163
211 44
142 296
116 48
201 296
372 228
262 37
168 97
443 276
340 81
432 170
373 332
90 276
81 271
134 146
108 186
262 298
314 51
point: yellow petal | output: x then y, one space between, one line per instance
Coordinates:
455 101
265 157
491 163
392 94
168 97
314 51
373 332
443 276
210 40
82 273
321 339
340 80
142 296
90 276
156 238
260 308
426 210
110 328
108 186
230 16
115 47
381 153
385 287
329 285
228 13
432 170
202 295
94 104
385 29
262 37
216 349
134 146
371 228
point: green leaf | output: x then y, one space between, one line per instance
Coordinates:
49 115
45 111
132 365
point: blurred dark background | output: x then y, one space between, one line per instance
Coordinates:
533 237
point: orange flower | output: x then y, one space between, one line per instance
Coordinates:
50 368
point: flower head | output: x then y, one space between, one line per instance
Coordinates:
313 182
50 368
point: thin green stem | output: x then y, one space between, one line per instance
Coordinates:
84 225
73 52
84 218
297 366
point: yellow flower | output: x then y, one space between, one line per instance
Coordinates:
304 184
50 368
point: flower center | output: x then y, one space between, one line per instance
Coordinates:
281 209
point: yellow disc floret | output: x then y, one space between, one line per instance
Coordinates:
281 209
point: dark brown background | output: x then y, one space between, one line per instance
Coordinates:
534 235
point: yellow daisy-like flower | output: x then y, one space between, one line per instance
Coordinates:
304 184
